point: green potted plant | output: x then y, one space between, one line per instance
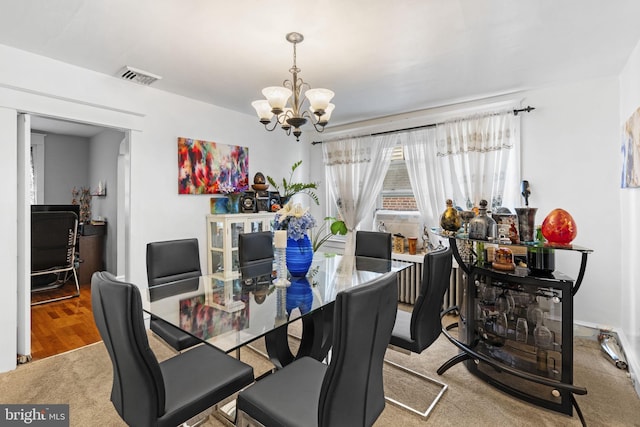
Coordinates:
288 188
336 227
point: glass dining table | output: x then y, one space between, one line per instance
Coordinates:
229 313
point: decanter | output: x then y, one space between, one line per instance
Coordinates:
482 226
450 220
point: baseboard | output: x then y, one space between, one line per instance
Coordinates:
631 349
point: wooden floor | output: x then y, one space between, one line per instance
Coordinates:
60 326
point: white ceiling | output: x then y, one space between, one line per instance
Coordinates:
380 57
63 127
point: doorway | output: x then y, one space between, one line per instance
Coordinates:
95 157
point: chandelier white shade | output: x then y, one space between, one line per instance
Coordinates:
286 101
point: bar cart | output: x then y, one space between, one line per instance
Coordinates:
516 327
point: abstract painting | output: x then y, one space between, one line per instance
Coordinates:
631 151
210 168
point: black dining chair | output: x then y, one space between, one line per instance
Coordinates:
347 392
373 244
172 263
415 331
144 391
255 248
255 258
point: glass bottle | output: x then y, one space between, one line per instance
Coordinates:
450 220
482 226
540 259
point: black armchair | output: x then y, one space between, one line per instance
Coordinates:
347 392
168 262
416 331
148 393
373 244
53 242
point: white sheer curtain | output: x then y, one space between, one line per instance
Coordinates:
355 170
478 155
465 160
425 173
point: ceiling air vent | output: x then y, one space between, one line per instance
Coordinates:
137 76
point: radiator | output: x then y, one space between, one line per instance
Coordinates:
409 281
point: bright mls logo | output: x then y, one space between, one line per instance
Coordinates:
34 415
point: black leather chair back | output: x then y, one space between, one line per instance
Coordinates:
426 324
172 260
373 244
255 247
53 239
352 390
138 392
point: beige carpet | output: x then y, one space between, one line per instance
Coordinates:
82 378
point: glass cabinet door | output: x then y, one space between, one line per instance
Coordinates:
524 323
217 235
235 260
520 325
217 262
236 229
255 226
223 236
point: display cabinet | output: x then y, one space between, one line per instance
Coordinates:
516 328
222 238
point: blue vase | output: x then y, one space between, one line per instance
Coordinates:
299 295
233 202
299 256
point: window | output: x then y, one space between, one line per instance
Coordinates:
397 193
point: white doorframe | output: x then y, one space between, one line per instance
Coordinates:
24 238
24 226
123 185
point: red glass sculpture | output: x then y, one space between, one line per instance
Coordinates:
559 227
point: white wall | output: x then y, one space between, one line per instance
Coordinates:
157 120
158 212
571 158
629 214
103 165
65 167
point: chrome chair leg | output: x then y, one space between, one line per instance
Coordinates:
425 414
66 279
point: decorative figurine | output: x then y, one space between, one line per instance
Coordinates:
259 182
559 227
525 191
450 219
503 259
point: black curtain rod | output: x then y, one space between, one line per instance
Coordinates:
527 109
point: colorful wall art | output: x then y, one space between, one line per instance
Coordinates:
210 168
631 151
205 321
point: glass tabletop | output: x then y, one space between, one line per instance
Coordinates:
231 312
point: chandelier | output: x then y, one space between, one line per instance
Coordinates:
286 101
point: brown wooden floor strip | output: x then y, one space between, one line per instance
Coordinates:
60 326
